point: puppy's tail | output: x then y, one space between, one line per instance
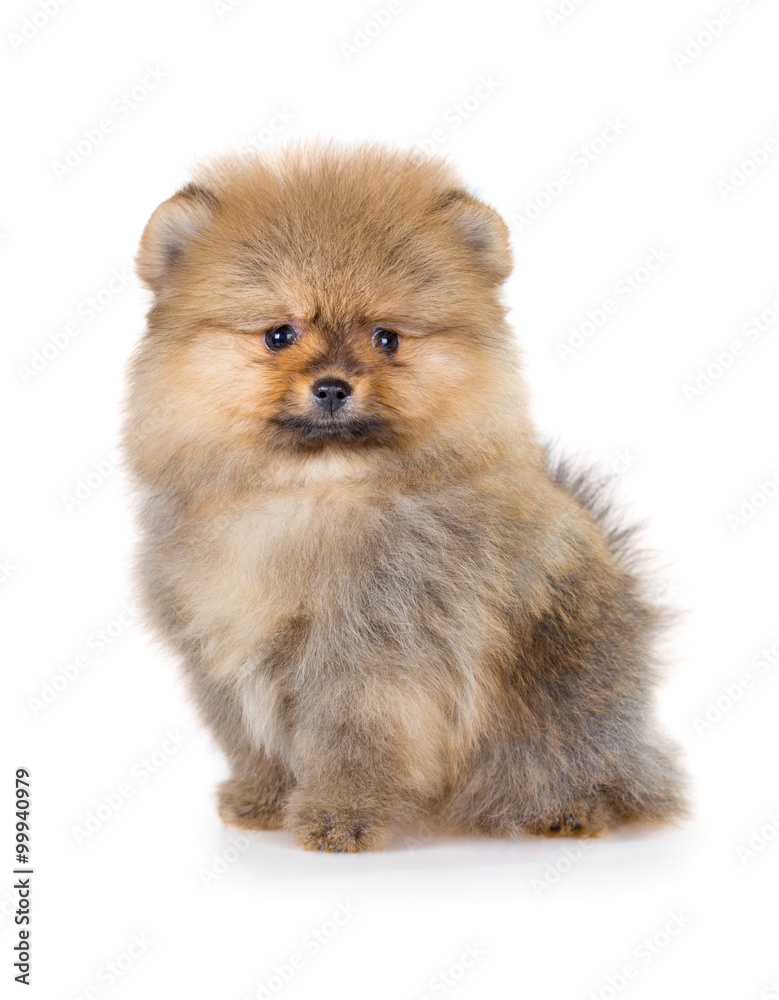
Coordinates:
592 487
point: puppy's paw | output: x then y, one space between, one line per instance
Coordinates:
245 807
338 831
566 826
585 819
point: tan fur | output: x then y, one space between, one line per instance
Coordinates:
396 612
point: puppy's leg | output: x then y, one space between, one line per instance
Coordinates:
569 787
254 797
354 786
343 811
583 754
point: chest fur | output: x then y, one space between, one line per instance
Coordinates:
310 583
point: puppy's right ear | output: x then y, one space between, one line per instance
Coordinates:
169 231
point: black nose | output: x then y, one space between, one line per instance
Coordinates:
331 393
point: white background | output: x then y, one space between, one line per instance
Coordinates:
690 910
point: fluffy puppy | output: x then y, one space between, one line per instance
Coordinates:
390 607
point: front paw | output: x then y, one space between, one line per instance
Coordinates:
245 807
337 830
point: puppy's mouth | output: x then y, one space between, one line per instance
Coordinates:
356 431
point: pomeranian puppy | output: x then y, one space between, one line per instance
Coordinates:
392 608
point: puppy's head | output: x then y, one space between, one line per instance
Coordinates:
325 300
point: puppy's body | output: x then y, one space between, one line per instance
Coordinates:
389 608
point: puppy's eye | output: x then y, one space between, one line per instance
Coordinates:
386 341
282 336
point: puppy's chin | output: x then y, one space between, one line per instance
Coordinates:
305 434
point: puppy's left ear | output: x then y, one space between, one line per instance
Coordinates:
170 232
482 233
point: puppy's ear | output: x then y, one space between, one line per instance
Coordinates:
482 233
169 231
